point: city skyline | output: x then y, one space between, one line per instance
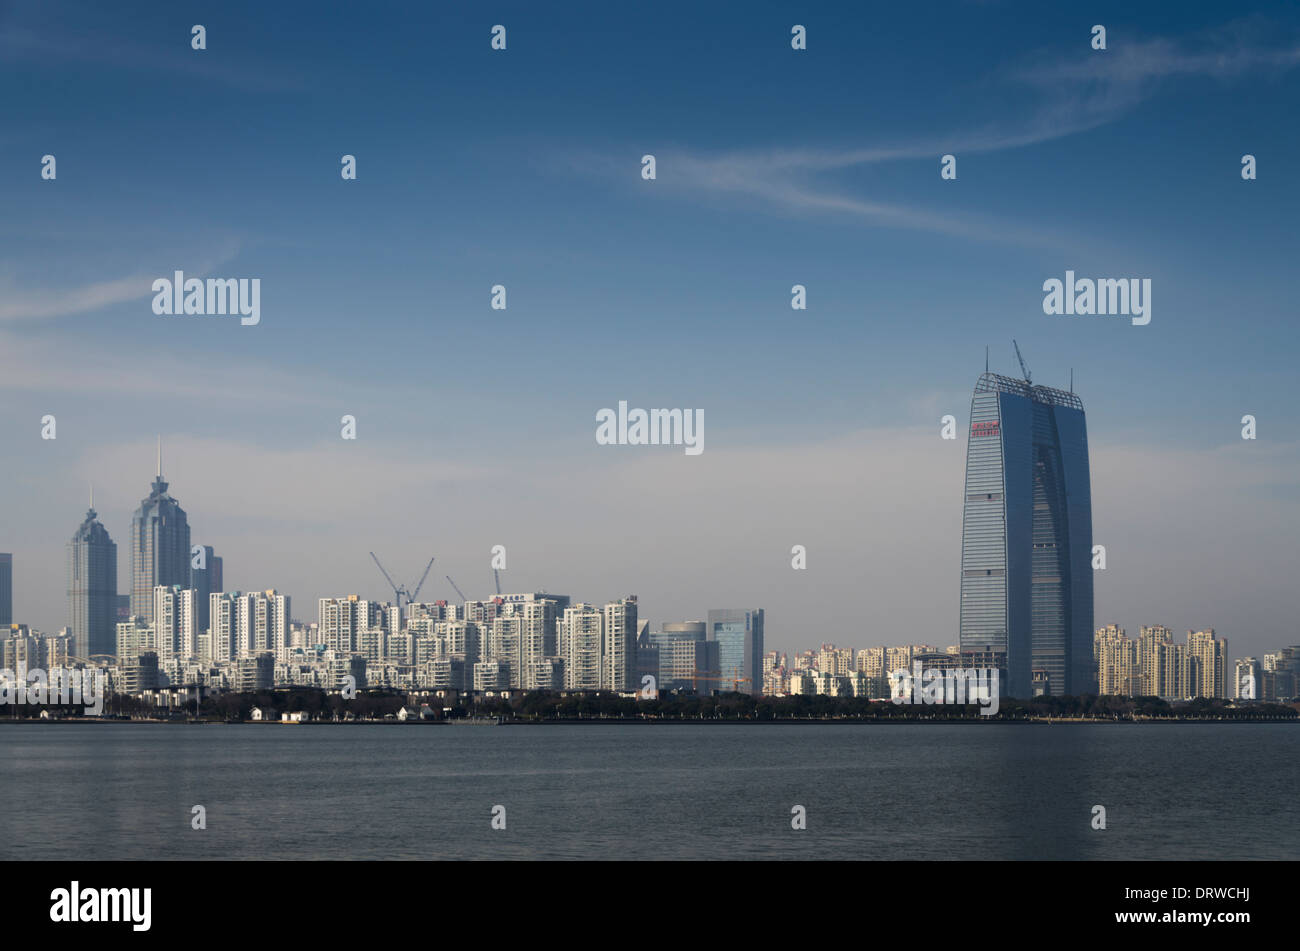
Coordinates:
159 494
475 425
673 432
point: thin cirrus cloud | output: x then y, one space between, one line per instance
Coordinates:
39 44
1233 50
25 364
1078 94
18 303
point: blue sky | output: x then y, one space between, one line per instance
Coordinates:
775 167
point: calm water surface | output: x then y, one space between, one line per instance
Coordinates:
995 791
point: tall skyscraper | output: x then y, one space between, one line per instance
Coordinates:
207 580
1026 558
739 635
92 588
160 546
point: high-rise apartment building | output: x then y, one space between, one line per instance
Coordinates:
1280 674
1174 675
1026 565
134 636
1209 660
223 626
338 623
261 623
619 660
165 612
1150 638
835 660
537 643
1118 673
581 638
1246 682
459 638
503 643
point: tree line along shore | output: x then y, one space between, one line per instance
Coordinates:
311 705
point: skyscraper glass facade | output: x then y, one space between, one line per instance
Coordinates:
6 588
160 548
1026 572
739 635
92 588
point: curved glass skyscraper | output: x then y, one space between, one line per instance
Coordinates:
1026 549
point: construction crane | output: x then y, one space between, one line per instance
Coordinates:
457 590
734 681
398 591
1023 369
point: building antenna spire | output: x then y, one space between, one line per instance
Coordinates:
1071 379
92 496
160 455
986 358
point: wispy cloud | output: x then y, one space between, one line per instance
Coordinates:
19 304
1234 50
26 364
1076 93
782 181
44 32
35 303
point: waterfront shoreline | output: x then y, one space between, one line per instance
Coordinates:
614 721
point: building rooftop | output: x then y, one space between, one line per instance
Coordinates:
996 383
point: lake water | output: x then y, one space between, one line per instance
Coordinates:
908 791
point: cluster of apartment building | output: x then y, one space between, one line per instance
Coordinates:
1153 664
510 642
178 626
865 672
533 641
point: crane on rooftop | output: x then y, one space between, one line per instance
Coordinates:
457 590
1023 369
398 591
